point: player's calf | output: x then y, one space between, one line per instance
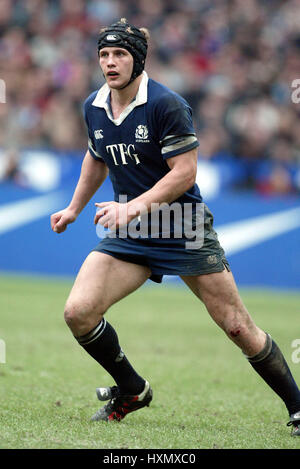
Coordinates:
101 342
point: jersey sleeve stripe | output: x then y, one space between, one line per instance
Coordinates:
176 144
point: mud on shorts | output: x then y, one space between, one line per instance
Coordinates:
170 256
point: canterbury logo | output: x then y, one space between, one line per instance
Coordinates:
120 356
111 37
98 134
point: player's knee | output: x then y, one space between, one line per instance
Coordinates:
78 315
72 317
234 325
237 328
69 316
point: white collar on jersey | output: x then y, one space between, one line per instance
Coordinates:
141 98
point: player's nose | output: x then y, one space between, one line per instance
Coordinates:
110 60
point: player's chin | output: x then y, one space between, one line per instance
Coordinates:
116 83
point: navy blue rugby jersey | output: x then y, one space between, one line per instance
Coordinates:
155 126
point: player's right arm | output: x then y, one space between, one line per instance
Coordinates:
93 173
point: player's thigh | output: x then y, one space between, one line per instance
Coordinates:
103 280
219 293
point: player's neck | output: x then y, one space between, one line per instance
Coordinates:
120 99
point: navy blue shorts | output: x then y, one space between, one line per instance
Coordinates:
170 256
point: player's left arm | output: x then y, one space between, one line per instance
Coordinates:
176 182
180 178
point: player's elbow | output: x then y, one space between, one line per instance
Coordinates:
192 179
183 181
186 171
189 178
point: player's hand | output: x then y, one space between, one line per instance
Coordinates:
60 220
112 215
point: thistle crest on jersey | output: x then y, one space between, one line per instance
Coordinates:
141 133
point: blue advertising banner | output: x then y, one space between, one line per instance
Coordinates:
260 234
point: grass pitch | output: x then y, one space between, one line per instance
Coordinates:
206 395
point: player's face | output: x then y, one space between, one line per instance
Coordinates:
116 65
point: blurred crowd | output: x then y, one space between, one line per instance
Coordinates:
233 60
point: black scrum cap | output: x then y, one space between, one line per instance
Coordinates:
125 35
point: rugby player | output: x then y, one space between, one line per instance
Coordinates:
142 134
